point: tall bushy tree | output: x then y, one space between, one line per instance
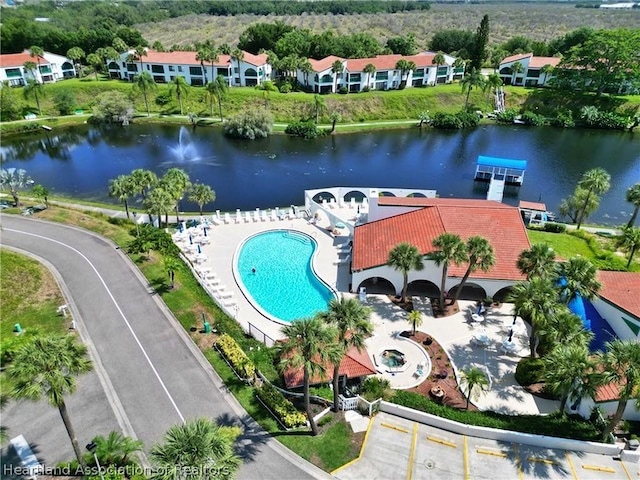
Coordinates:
538 261
122 188
145 83
405 257
201 194
15 179
351 319
596 182
481 257
449 249
34 89
577 277
479 46
180 88
336 69
474 79
573 204
217 89
308 346
76 54
47 367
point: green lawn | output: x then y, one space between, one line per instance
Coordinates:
565 245
30 296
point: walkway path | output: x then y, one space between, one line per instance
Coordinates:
153 375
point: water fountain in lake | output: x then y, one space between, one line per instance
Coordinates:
185 150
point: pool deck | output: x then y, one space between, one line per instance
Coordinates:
455 333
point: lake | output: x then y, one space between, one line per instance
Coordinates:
79 162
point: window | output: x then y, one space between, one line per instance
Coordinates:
533 73
172 68
197 71
67 66
196 82
382 75
132 67
442 71
148 66
45 69
250 72
223 71
113 66
158 68
159 78
326 78
13 72
124 64
354 77
419 73
179 68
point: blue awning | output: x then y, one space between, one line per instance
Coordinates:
502 162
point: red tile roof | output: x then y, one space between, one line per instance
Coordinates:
324 64
189 58
514 58
19 59
355 364
388 62
532 206
622 289
256 60
608 392
499 223
539 62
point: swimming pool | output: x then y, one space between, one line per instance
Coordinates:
276 274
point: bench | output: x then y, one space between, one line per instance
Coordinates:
27 457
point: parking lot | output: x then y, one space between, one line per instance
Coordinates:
396 448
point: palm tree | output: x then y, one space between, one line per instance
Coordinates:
204 54
237 55
95 60
473 80
201 194
481 256
334 117
405 257
76 54
31 67
564 328
319 105
337 68
546 69
516 68
143 180
424 118
631 241
538 261
438 60
596 182
140 52
622 368
267 87
369 69
351 319
171 264
309 346
145 82
476 382
158 202
577 277
37 53
180 87
493 82
14 179
633 197
405 66
197 449
40 191
176 182
306 68
122 188
570 370
47 367
535 300
115 449
449 249
34 89
415 319
217 89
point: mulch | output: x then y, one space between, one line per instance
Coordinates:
442 374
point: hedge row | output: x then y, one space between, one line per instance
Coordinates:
280 406
236 356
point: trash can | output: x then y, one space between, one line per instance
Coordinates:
207 327
17 328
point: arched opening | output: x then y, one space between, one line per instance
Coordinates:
320 196
417 195
470 291
67 66
506 71
250 72
378 285
386 194
502 294
423 288
357 195
326 78
113 66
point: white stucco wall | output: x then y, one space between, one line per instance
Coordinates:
614 316
608 408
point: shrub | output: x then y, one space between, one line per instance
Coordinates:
529 370
157 238
113 106
249 125
468 119
285 88
306 129
64 101
280 406
374 388
508 116
236 356
563 119
343 90
554 227
531 118
324 420
366 89
446 121
163 99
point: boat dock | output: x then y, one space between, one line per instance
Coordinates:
499 172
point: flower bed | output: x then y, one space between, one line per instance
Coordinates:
281 408
235 356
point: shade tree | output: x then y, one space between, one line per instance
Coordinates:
449 249
405 257
480 256
14 179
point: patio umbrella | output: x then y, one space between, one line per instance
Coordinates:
190 240
199 249
515 317
340 225
510 335
204 230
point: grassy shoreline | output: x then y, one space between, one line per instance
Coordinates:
359 111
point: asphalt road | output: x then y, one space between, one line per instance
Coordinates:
149 376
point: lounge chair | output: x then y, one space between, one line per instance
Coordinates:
352 203
263 216
274 216
247 217
227 218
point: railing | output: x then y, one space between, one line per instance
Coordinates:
259 335
347 403
359 403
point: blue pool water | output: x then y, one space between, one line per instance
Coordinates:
592 320
284 284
